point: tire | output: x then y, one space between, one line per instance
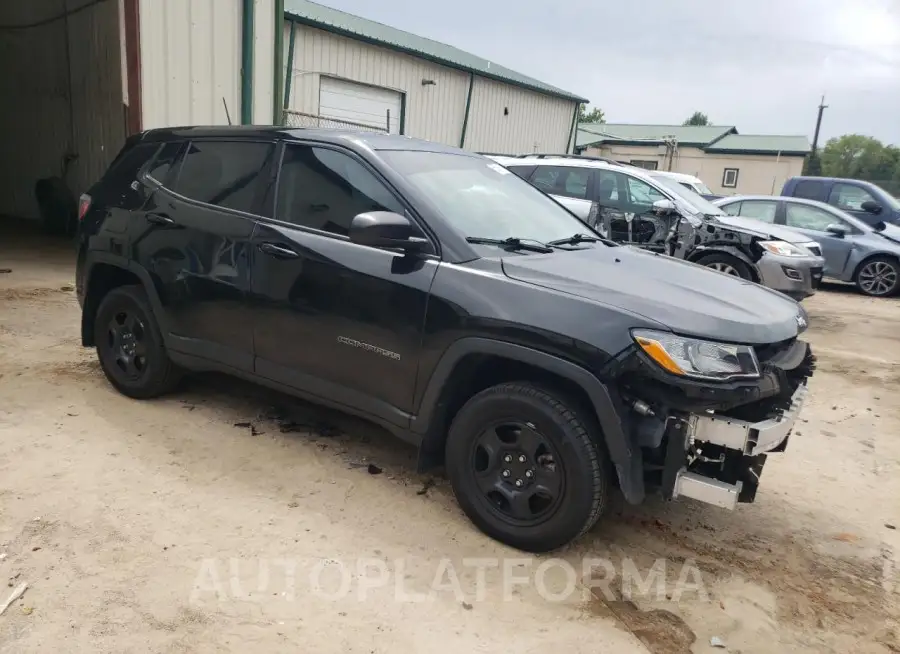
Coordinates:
124 310
878 277
503 420
727 264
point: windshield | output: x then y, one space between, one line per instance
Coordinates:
482 199
698 187
699 204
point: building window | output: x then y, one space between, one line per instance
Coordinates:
730 178
644 163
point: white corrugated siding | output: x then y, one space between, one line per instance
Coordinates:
263 61
191 62
36 124
434 112
535 122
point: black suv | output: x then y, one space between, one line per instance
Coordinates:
433 292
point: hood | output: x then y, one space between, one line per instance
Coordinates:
686 298
765 230
890 232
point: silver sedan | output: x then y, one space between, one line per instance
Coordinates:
866 255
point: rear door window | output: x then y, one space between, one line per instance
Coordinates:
561 180
227 174
160 170
116 189
763 210
810 189
733 209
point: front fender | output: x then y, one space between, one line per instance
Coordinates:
605 403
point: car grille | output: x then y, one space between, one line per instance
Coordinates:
815 249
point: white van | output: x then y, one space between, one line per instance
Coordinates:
689 181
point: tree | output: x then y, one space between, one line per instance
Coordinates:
697 118
813 165
595 115
857 157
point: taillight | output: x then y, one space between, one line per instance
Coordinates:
84 203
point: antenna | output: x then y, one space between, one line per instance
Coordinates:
227 115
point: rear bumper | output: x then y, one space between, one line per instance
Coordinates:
797 277
739 448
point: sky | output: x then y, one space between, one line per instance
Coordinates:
760 65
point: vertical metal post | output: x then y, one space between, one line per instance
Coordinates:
465 125
289 73
388 121
278 81
247 62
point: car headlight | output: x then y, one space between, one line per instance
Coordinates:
784 248
691 357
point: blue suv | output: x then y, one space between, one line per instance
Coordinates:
868 202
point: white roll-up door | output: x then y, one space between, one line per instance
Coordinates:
359 103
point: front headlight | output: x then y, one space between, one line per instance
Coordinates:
784 248
691 357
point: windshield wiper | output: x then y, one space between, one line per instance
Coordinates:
575 239
511 243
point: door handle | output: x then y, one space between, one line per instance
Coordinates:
277 251
159 219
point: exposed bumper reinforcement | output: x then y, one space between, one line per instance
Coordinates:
711 491
751 438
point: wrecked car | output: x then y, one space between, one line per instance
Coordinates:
653 211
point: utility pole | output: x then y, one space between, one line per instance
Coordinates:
813 166
822 108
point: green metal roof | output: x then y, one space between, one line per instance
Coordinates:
691 135
339 22
762 144
724 139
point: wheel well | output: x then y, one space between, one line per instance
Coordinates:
477 372
697 255
880 255
104 278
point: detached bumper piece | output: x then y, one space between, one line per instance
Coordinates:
725 456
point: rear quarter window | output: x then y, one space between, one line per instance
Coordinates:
115 188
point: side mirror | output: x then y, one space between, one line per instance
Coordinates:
837 230
870 206
385 229
663 207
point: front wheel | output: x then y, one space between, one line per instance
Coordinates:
727 264
878 277
525 468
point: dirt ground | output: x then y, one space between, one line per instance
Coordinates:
218 520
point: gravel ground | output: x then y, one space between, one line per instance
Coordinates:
230 519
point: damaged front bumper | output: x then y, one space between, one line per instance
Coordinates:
708 441
750 440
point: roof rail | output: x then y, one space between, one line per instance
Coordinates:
544 155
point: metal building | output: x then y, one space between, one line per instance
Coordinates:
346 69
78 76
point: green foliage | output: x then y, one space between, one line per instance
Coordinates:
860 157
595 115
697 118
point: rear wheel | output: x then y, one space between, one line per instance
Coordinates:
878 277
524 467
130 345
727 264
